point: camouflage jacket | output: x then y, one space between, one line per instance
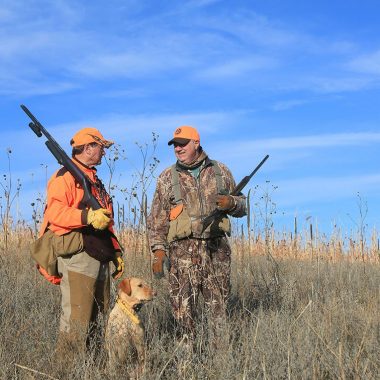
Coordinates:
198 197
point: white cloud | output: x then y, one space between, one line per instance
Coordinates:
235 68
32 88
139 127
292 155
201 3
313 189
369 64
127 93
344 84
130 64
230 43
313 141
253 28
5 15
122 128
288 104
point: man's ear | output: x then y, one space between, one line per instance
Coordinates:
87 148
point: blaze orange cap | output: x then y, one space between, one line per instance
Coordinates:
89 135
183 134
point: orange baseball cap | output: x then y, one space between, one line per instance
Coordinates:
183 134
89 135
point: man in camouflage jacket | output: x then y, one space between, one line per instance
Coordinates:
199 260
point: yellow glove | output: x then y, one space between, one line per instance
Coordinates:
119 267
99 219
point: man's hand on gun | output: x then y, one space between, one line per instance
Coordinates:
225 202
100 219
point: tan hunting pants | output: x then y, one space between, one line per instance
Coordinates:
85 289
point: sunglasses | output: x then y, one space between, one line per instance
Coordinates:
181 145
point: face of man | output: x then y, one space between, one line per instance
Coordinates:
187 152
93 154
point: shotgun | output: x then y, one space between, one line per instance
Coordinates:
64 160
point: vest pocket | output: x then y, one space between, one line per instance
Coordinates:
176 211
180 227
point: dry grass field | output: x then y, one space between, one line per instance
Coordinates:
297 311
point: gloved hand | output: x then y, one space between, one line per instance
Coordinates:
99 219
159 260
119 267
225 202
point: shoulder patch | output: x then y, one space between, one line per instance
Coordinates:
61 172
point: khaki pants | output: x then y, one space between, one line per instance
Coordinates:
85 289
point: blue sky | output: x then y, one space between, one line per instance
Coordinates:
296 80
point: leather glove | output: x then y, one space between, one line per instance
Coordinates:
99 219
119 267
159 260
225 202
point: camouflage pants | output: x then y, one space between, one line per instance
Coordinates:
199 266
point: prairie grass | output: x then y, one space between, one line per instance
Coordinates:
292 315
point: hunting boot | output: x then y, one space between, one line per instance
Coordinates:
70 348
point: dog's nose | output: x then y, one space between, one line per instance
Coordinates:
154 293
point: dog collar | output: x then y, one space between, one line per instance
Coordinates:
127 310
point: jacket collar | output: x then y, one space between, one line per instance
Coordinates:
203 160
85 168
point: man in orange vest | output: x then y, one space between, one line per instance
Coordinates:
83 275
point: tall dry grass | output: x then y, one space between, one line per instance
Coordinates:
292 315
302 306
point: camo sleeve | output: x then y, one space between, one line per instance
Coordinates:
158 219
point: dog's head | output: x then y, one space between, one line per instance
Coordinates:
135 292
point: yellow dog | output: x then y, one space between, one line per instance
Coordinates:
125 332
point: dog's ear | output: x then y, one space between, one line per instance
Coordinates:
125 286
